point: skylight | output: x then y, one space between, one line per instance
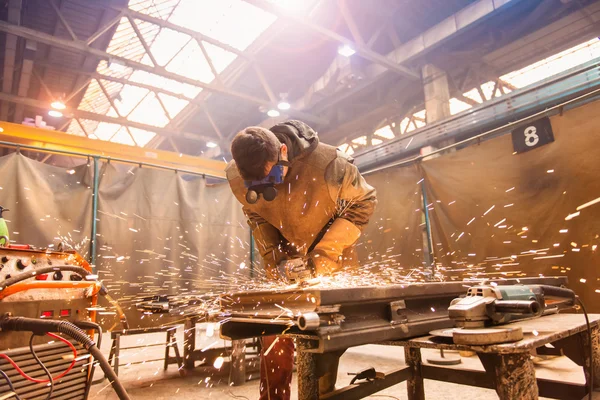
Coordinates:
233 22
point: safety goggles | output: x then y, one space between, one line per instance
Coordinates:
266 186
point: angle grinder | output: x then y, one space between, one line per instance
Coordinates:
478 314
297 270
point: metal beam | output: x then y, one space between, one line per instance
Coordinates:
166 24
63 21
347 16
208 59
142 41
84 48
159 71
361 50
73 113
103 29
60 142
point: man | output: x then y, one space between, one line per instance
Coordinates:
304 199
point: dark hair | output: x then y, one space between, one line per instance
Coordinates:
252 148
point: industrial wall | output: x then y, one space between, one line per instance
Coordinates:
492 213
158 231
495 213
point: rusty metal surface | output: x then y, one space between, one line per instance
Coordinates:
350 316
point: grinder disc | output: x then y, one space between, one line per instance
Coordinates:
486 336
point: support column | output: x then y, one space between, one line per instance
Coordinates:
437 93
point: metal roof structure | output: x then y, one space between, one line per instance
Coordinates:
186 75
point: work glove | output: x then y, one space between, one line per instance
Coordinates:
294 270
326 258
268 241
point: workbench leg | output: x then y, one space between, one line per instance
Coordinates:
513 374
414 385
308 381
189 342
594 362
238 362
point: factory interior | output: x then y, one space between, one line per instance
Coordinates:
299 199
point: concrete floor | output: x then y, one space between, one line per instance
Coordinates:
149 381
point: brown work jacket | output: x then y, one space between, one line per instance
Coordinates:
321 186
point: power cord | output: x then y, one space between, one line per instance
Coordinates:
41 364
591 348
10 385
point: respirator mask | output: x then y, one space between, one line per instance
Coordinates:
266 186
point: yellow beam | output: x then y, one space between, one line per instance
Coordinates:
59 142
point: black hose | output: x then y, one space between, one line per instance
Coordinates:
41 364
98 328
10 385
40 326
84 273
90 325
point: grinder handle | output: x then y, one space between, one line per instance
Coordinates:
560 292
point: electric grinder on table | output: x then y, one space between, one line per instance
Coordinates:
478 315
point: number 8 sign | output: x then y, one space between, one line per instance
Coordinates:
532 135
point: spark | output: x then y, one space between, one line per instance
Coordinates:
219 362
499 222
271 346
589 203
489 209
472 219
459 236
508 190
544 257
550 171
509 205
535 333
583 280
571 216
575 250
422 179
563 231
209 346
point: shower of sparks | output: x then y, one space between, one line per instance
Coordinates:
589 203
489 209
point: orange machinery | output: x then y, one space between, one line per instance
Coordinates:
61 292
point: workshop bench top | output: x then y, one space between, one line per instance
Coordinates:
537 332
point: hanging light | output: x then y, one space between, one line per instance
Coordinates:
58 105
273 113
283 105
346 51
54 113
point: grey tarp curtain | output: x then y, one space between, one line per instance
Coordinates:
47 204
162 233
393 238
531 194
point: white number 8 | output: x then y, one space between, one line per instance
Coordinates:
531 139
